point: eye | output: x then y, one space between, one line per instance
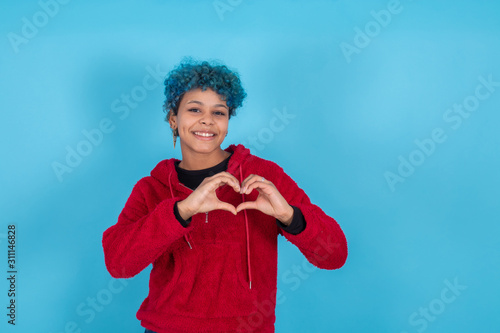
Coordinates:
194 110
219 113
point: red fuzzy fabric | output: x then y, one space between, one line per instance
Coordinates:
203 285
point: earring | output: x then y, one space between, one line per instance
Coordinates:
175 133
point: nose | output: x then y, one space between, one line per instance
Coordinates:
207 119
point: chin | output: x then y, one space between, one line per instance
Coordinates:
205 148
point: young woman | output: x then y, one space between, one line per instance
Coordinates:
209 222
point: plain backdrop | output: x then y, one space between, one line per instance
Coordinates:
391 127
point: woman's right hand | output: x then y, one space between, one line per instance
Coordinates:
204 199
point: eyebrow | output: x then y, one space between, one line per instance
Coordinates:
200 103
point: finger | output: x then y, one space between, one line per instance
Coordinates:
246 180
256 183
249 180
220 179
235 183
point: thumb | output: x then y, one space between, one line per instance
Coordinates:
246 205
227 206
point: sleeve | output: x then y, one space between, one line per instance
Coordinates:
141 235
179 218
322 241
297 225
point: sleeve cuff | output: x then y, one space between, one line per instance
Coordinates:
297 225
183 222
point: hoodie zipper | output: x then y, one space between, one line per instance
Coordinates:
186 187
206 213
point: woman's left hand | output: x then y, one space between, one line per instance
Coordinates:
269 201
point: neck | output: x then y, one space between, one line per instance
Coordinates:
199 161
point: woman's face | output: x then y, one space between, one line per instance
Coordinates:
202 121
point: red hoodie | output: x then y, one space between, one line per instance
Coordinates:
220 273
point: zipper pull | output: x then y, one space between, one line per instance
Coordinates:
206 217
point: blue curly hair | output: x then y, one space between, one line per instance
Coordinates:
190 74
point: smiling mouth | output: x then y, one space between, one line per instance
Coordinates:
204 136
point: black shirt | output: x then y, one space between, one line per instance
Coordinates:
193 178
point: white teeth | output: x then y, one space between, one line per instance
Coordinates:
203 134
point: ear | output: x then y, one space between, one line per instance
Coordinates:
172 120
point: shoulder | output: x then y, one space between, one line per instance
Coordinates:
261 164
159 177
265 168
272 171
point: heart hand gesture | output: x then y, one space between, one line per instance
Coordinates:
269 201
204 198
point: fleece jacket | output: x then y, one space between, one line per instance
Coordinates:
219 274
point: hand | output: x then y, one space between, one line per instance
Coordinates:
204 199
269 201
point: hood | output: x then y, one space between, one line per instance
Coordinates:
165 173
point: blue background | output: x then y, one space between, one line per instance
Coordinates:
355 116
